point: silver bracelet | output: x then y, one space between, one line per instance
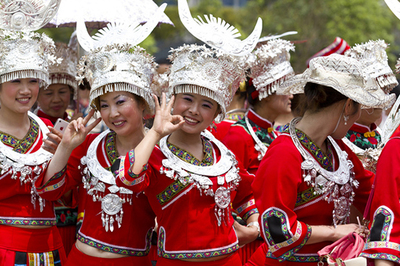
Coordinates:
256 224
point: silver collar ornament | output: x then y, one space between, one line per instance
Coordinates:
95 179
337 186
225 170
26 167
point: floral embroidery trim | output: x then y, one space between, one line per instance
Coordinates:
249 213
54 177
306 196
285 227
364 140
246 205
319 155
291 252
382 256
288 242
296 257
189 158
22 221
136 179
382 244
118 250
210 253
172 190
52 187
387 226
234 116
21 146
111 149
65 217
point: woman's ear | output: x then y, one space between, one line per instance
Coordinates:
351 107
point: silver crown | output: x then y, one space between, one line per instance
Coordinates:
23 53
26 15
64 72
270 66
217 72
114 62
374 58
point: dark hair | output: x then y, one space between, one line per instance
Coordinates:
317 97
250 89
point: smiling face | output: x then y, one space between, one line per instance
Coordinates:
19 95
122 112
198 111
55 99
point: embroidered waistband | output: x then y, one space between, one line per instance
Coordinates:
116 249
195 254
25 221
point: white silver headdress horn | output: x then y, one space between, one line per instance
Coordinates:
114 61
217 72
23 15
117 33
217 33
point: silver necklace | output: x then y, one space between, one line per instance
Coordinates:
94 179
225 170
336 186
27 166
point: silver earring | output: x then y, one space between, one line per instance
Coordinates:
345 118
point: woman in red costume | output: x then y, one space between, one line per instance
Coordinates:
309 178
27 221
118 222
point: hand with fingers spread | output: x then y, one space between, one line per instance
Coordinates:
74 135
76 131
164 122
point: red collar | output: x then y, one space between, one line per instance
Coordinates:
362 128
258 120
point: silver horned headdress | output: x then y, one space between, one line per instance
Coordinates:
374 58
270 66
23 53
64 72
214 72
114 61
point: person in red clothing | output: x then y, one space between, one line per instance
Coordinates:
190 178
52 104
382 245
250 137
27 221
118 222
309 179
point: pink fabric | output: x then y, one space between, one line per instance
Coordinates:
347 247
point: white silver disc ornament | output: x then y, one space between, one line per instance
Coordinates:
96 178
336 186
225 170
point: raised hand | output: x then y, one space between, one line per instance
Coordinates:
164 122
76 131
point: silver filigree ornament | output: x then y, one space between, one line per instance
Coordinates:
95 179
217 72
375 60
336 186
27 15
64 72
26 167
270 66
225 169
114 61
